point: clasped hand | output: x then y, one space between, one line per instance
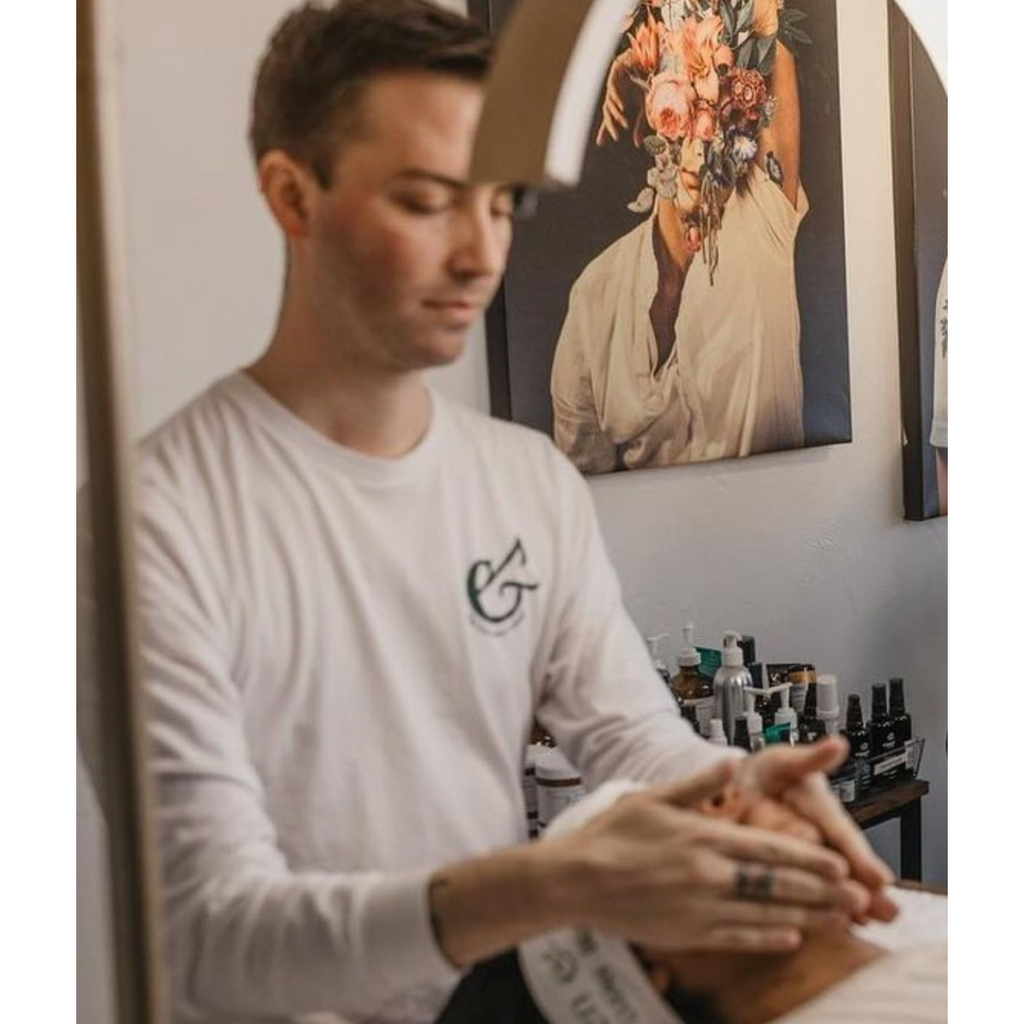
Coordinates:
733 858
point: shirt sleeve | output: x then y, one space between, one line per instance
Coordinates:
602 700
577 431
245 935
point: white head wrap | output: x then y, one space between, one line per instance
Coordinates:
584 976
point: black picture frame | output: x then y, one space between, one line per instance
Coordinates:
919 156
521 310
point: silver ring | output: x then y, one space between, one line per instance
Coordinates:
754 883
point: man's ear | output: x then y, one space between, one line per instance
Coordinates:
288 187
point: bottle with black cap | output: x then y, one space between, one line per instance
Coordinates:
860 748
741 733
901 723
811 727
881 735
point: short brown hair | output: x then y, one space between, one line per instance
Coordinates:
320 58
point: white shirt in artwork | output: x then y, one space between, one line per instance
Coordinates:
732 385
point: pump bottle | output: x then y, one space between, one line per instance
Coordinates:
786 723
691 689
755 723
731 679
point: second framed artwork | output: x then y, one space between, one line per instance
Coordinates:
687 301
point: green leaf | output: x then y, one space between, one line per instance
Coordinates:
746 17
792 14
729 21
801 36
654 144
766 56
745 53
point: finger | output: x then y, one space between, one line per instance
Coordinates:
765 915
620 116
775 769
815 801
776 816
751 940
705 785
882 906
765 883
745 842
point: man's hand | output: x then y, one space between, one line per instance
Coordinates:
784 788
653 870
613 110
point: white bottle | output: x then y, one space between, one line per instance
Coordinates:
731 680
716 734
755 723
786 715
691 688
828 703
559 784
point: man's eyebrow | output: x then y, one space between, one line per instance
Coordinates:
455 184
421 174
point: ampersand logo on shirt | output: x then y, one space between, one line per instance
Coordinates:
496 591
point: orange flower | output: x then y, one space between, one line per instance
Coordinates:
645 46
697 45
669 105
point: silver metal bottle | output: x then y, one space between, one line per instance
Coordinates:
731 681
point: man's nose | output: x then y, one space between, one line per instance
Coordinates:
481 244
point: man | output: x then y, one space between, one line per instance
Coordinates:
681 342
354 598
835 976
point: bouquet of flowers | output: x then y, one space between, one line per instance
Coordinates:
704 68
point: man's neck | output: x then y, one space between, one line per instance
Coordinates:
757 989
361 407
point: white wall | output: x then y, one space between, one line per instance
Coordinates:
807 550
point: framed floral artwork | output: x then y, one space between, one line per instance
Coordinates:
687 301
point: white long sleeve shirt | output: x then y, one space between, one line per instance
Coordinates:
344 655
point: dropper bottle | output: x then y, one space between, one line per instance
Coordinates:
731 680
691 689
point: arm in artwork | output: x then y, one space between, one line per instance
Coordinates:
577 430
782 137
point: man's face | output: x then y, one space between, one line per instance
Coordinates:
402 256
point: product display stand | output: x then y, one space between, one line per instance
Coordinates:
902 801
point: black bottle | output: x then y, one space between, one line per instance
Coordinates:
741 733
811 727
901 723
881 734
860 747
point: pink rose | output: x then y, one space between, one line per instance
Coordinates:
669 105
702 54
